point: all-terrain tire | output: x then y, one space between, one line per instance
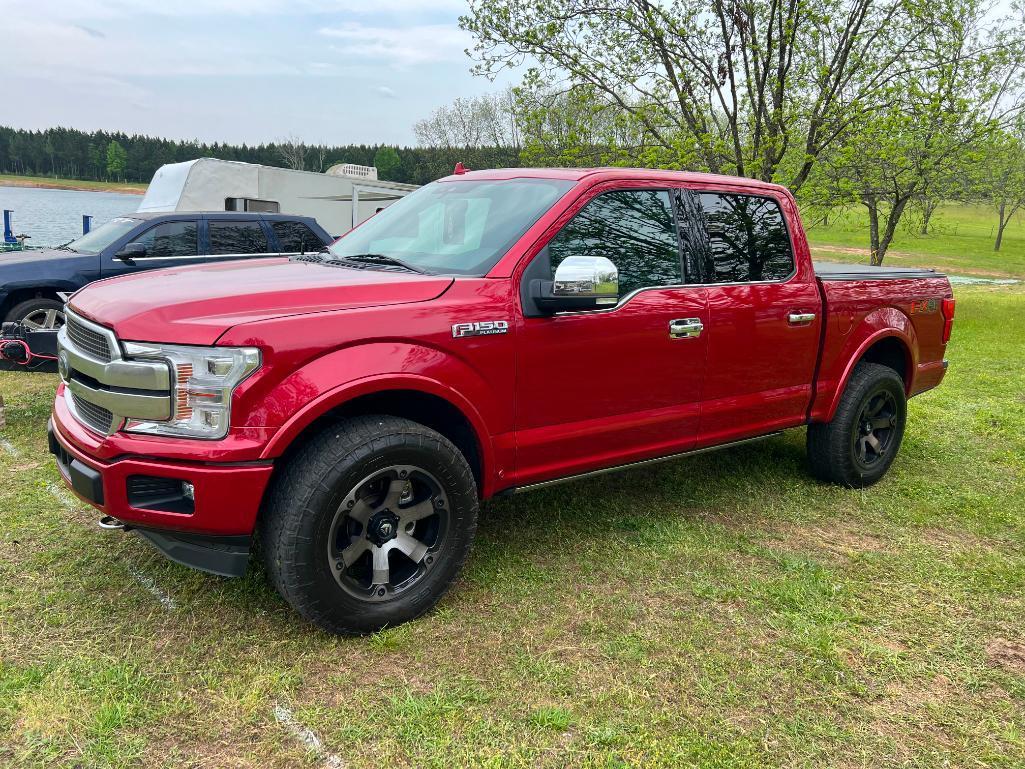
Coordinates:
300 522
839 451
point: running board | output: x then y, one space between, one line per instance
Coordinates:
632 465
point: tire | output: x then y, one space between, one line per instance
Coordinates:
873 406
363 490
42 313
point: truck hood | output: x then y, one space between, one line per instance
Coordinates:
197 304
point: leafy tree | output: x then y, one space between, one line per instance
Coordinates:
388 162
752 87
957 92
1004 176
117 159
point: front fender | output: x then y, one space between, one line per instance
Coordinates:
308 393
833 374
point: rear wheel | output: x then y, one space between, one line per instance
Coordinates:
369 524
858 446
38 314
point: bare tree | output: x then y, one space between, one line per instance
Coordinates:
480 121
293 152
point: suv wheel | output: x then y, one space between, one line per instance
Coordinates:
38 314
858 446
369 524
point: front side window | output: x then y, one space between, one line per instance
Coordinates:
457 227
169 239
237 238
747 238
634 229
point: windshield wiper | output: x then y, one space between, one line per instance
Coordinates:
383 259
65 247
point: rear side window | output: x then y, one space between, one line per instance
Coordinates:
632 228
169 239
296 236
747 239
237 238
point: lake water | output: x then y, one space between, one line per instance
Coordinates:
52 217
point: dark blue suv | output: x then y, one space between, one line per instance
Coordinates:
31 281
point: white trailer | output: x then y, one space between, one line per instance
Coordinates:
339 199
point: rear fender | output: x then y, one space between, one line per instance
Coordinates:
312 391
879 324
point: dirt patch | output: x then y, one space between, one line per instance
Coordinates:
63 184
1009 655
837 538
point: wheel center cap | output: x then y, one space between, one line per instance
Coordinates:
382 527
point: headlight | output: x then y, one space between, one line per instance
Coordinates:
203 379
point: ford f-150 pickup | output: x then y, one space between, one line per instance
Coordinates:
493 332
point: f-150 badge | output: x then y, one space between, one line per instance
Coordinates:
480 328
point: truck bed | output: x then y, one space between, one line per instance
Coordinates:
839 271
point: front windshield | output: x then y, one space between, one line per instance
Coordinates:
96 240
454 227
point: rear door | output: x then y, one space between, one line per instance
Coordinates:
607 387
764 315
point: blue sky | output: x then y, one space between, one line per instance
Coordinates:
325 71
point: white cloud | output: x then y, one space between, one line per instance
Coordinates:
402 46
385 91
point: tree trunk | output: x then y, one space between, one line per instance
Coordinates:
892 220
1001 225
928 207
873 229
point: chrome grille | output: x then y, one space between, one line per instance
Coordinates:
88 341
96 417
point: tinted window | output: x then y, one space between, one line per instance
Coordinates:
747 239
296 236
169 239
237 238
96 240
632 228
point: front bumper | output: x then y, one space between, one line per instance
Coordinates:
225 500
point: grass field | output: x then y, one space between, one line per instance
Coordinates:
960 240
15 180
724 611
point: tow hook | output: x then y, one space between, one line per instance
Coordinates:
110 522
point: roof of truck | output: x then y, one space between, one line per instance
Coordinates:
611 174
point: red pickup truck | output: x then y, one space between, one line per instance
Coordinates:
493 332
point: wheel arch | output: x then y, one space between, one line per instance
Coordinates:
415 398
892 346
19 293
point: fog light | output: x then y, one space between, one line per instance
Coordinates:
188 491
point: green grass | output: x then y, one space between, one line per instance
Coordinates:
76 184
724 611
960 240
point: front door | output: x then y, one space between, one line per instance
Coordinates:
604 388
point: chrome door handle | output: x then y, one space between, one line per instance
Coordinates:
797 318
685 328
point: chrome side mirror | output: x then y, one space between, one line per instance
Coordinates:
581 283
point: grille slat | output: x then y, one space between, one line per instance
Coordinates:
88 341
96 417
